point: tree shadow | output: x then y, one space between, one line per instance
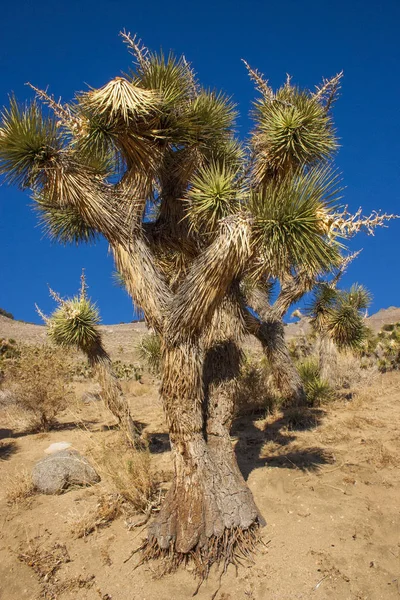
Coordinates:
7 449
281 432
5 433
159 443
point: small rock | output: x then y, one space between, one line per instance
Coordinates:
56 447
64 469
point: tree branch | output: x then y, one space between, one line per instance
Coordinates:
209 278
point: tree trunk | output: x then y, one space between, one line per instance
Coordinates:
327 356
111 392
208 508
269 330
271 334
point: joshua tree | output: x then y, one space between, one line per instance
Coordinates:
270 329
337 316
75 324
225 218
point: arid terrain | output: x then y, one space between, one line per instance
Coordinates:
327 483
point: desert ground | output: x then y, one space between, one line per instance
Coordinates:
327 483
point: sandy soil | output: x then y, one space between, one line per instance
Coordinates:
329 488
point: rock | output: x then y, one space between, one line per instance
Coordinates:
57 446
57 472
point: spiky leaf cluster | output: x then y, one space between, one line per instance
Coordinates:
29 141
215 193
287 226
338 314
75 324
64 225
293 128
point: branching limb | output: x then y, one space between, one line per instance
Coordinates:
210 277
143 281
61 111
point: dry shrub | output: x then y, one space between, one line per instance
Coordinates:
349 372
19 487
40 382
108 508
128 471
44 561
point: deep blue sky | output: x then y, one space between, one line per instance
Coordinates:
71 44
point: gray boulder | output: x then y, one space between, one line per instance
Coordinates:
64 469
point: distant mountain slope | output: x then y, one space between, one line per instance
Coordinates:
128 335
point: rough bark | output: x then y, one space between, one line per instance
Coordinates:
208 503
112 395
327 356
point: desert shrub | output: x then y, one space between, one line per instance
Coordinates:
150 352
4 313
383 350
126 371
8 348
122 370
82 370
40 381
252 391
318 391
300 347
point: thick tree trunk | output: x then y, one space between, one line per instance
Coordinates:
208 508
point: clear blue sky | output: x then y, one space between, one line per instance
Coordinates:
68 45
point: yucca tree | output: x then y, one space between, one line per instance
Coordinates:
74 324
193 217
293 144
338 318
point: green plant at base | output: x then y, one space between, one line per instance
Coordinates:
318 390
150 351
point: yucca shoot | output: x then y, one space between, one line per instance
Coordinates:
74 324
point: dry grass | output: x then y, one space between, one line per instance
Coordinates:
349 373
135 388
44 561
108 508
40 382
127 471
19 488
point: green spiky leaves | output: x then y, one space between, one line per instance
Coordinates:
209 119
288 230
64 225
358 297
28 143
215 193
75 324
337 313
171 77
293 128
